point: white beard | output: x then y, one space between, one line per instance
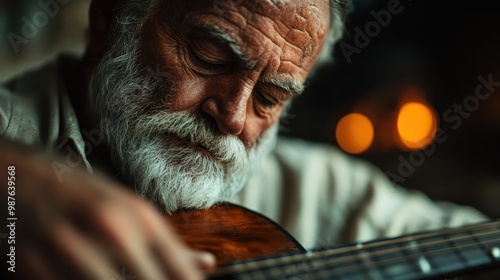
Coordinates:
169 173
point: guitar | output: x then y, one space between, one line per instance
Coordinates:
247 245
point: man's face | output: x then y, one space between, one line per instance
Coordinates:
235 63
190 96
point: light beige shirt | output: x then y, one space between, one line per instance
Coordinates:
320 195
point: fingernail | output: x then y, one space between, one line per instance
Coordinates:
206 260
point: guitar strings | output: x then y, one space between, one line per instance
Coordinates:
283 260
352 258
372 263
408 258
286 260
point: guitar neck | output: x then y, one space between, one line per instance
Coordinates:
416 256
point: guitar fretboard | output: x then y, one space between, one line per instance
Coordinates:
416 256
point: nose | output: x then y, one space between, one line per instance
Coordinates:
229 108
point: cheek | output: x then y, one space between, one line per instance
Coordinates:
254 129
256 124
192 90
188 93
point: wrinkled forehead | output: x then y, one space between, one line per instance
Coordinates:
292 30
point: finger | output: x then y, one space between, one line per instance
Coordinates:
128 241
170 251
83 257
203 260
104 210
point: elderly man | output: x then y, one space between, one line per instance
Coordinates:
180 100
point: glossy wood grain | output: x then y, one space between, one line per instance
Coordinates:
232 233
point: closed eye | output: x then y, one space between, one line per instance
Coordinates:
212 67
264 100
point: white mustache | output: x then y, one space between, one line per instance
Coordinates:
225 148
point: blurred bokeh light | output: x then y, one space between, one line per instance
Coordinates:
354 133
416 125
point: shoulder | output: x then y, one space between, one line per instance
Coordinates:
310 188
309 173
317 158
34 80
23 103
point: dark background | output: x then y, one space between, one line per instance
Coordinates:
437 47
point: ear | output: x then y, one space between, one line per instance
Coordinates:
102 14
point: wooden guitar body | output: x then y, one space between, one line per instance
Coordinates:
233 233
249 246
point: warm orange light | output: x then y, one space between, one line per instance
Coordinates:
416 125
354 133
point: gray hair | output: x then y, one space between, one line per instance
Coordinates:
338 13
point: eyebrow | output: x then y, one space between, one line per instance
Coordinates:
294 88
218 33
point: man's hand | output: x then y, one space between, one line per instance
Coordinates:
88 227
